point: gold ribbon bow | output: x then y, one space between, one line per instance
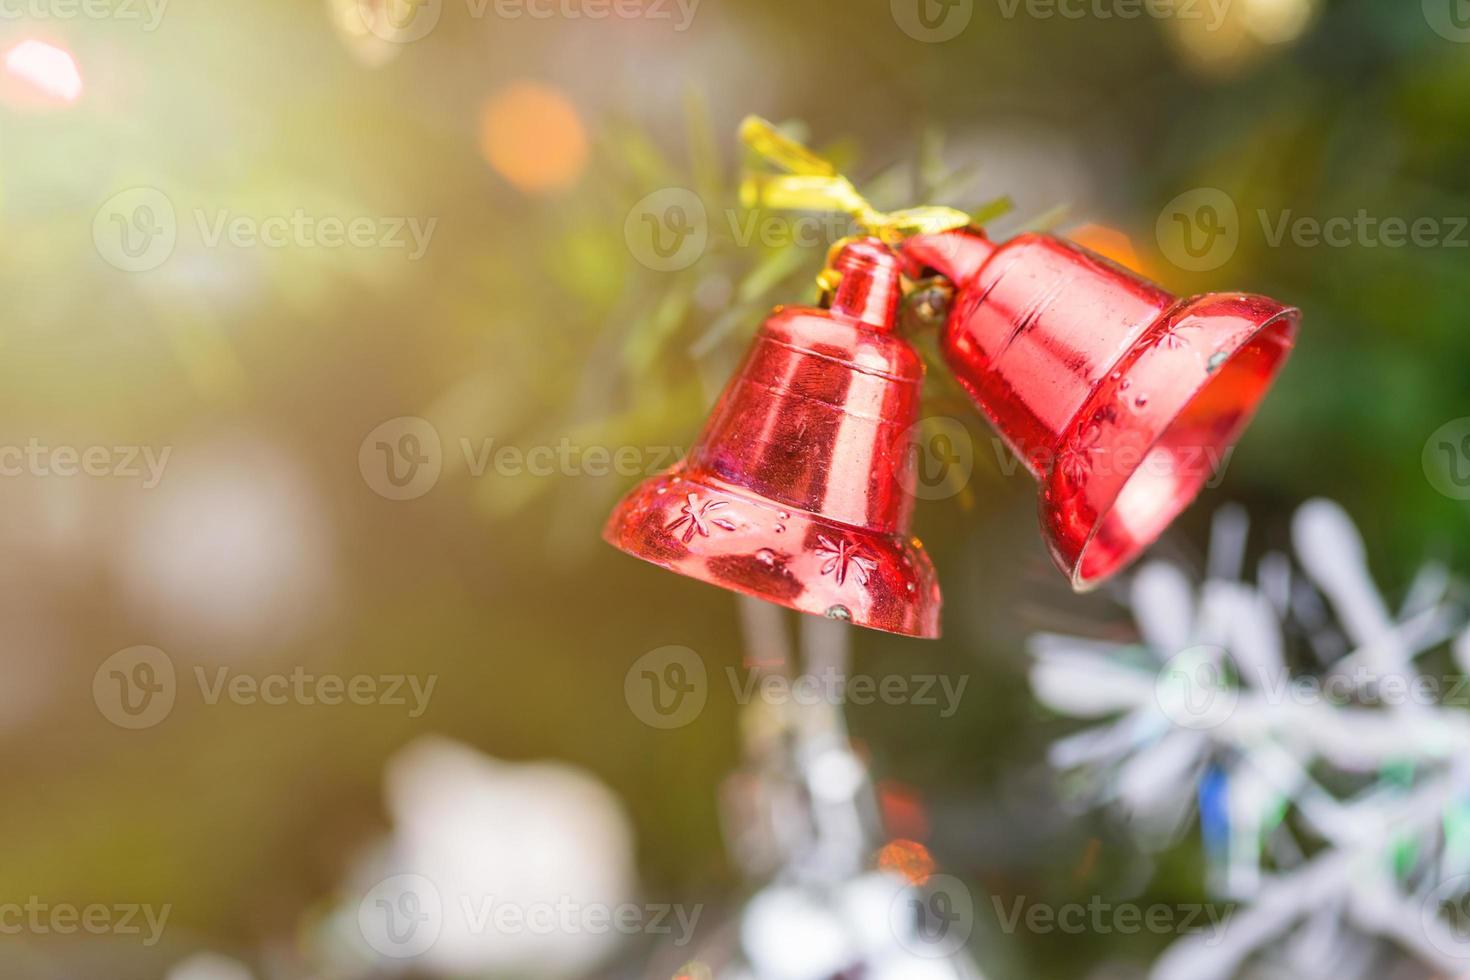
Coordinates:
812 183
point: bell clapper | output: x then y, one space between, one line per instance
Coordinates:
925 304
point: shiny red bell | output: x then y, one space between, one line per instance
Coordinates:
796 491
1121 398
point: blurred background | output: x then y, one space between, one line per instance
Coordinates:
333 330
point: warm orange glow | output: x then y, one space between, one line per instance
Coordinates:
903 812
908 858
533 137
1109 243
46 70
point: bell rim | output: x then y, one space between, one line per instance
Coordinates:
1264 320
814 565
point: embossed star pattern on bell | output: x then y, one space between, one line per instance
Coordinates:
797 491
1121 398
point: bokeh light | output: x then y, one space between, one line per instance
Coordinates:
1279 21
231 550
524 835
533 136
367 47
908 858
1240 34
209 966
45 72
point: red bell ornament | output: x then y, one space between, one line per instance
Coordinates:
795 493
1121 398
